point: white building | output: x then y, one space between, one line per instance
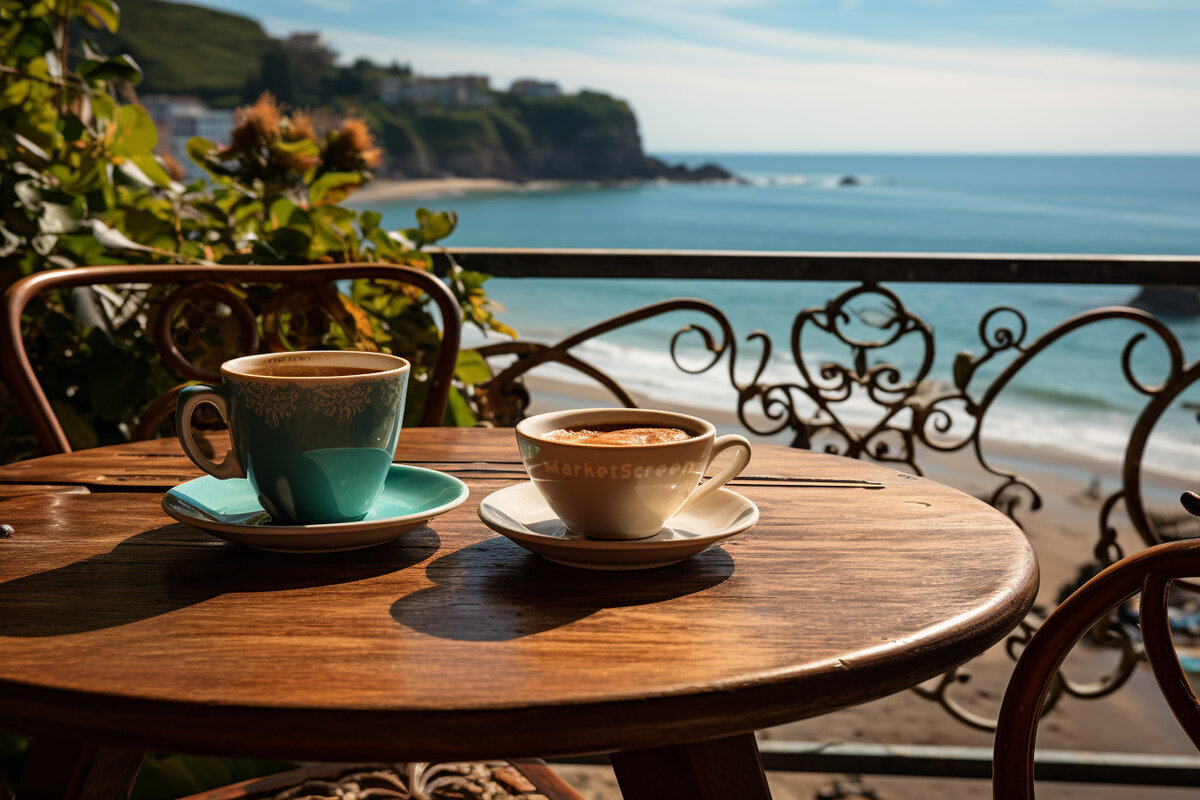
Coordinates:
179 118
455 90
529 87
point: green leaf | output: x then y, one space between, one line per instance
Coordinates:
291 242
152 169
246 210
72 128
15 92
117 68
114 239
136 134
199 149
369 221
435 225
471 368
458 411
100 13
103 106
334 187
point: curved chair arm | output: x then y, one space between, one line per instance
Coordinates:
1149 572
22 379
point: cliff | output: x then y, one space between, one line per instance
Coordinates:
585 136
228 60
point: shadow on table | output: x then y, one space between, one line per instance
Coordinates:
496 591
176 566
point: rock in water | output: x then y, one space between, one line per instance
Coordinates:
1168 301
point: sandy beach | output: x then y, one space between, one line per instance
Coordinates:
383 190
1063 533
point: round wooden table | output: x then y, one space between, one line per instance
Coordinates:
123 627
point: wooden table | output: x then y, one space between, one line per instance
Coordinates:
121 627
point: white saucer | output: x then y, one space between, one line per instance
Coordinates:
229 509
520 513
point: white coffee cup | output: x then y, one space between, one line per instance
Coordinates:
624 491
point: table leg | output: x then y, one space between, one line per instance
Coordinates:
720 769
68 769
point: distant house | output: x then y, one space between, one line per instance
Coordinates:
179 118
528 87
305 43
455 90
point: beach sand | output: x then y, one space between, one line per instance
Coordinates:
384 190
1063 533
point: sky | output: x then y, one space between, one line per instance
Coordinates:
783 76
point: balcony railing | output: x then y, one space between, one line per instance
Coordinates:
920 415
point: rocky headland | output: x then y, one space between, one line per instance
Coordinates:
428 127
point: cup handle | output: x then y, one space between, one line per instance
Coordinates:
731 471
185 406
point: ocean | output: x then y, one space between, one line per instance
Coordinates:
1072 397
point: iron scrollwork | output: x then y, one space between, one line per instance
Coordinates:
913 412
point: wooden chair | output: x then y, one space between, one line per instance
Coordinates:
211 281
1150 572
519 778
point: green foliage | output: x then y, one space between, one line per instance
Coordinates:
454 130
226 59
563 121
80 184
188 49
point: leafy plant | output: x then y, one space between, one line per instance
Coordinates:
80 184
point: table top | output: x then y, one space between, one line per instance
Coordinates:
452 642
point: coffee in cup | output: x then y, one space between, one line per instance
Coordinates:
618 435
314 432
621 473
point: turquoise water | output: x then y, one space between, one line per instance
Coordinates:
1073 395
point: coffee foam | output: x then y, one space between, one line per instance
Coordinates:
617 437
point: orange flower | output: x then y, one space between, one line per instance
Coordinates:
257 126
299 126
352 147
264 117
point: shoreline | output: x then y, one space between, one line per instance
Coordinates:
394 189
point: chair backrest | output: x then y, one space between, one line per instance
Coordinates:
212 281
1150 572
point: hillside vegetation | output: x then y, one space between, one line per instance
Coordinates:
228 60
186 49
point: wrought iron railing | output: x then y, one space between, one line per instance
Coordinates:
913 420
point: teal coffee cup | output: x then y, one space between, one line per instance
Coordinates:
314 432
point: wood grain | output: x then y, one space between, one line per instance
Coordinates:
159 464
454 643
8 490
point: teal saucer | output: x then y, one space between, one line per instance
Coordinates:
229 509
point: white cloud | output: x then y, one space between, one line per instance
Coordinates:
1127 5
330 5
761 89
